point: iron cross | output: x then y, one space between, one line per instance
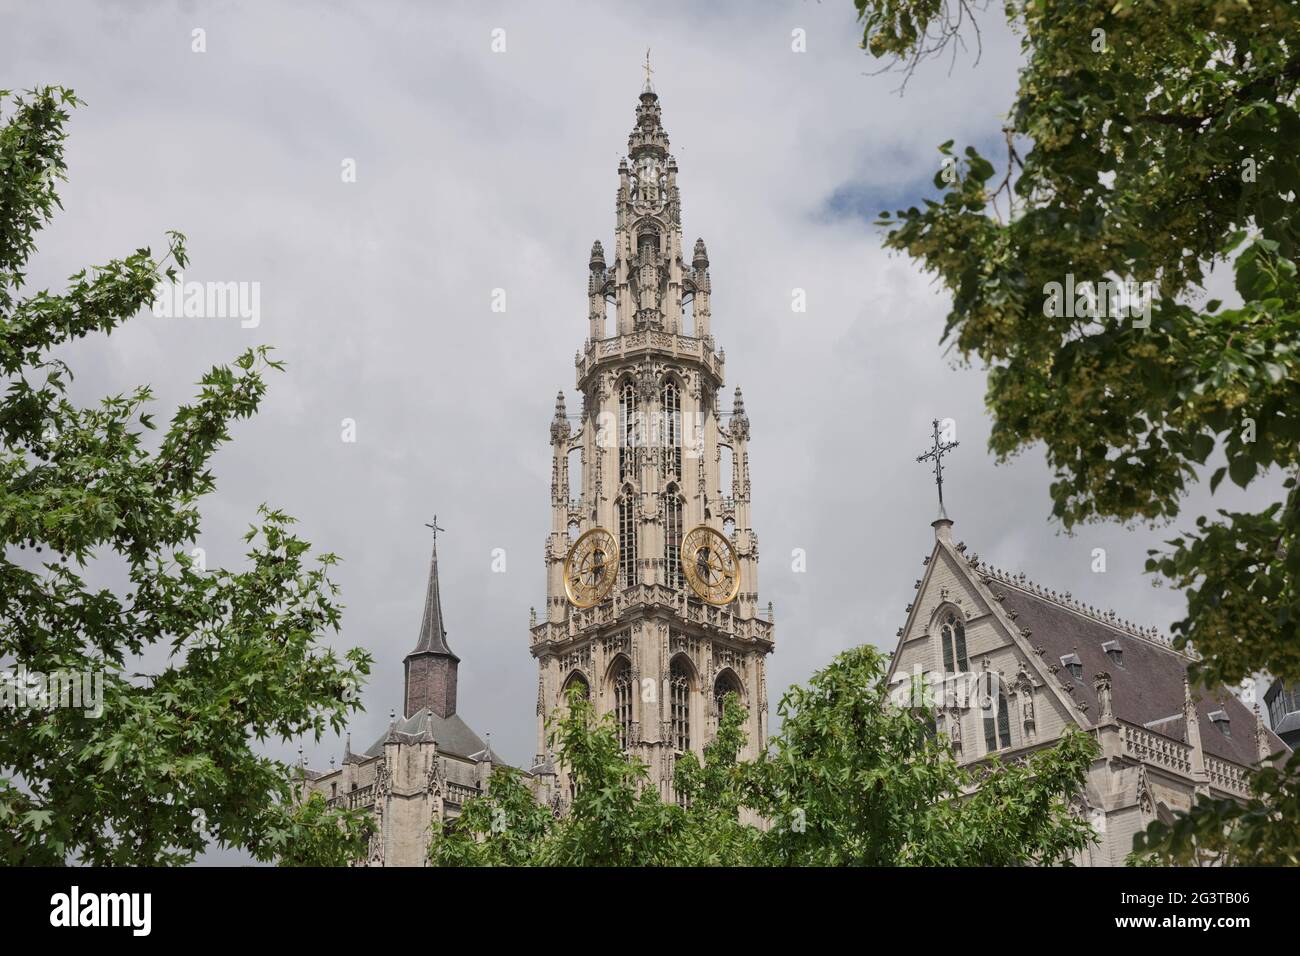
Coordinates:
434 527
648 71
936 453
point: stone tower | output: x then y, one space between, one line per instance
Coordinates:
651 560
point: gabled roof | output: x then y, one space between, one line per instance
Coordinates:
1147 690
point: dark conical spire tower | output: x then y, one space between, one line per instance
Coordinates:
431 667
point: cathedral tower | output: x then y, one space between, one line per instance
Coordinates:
651 561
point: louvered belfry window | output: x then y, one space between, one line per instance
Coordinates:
627 539
673 539
628 433
680 688
622 680
671 432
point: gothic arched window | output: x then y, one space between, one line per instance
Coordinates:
997 723
622 687
671 435
578 682
628 425
679 686
673 538
953 637
627 539
727 683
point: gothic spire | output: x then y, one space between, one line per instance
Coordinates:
433 636
431 668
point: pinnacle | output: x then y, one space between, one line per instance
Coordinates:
700 259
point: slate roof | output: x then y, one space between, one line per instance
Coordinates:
1147 690
452 735
433 635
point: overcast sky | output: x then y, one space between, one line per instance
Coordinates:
479 170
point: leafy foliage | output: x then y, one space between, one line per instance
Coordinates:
505 828
1260 832
852 780
1148 140
1151 141
318 835
168 768
616 817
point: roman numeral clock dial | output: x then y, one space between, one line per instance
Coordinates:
590 568
710 565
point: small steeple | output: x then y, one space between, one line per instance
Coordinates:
433 636
431 667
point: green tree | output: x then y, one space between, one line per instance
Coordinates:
855 780
506 827
717 794
851 780
318 835
169 766
616 817
1148 140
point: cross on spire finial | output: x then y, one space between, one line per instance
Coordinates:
434 527
936 454
648 71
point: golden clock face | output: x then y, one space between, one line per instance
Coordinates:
710 565
590 568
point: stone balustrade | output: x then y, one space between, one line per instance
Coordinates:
1151 747
644 341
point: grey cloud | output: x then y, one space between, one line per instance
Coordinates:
480 171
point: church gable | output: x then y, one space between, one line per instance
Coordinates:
957 626
944 584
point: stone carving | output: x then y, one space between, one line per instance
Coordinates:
1101 683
